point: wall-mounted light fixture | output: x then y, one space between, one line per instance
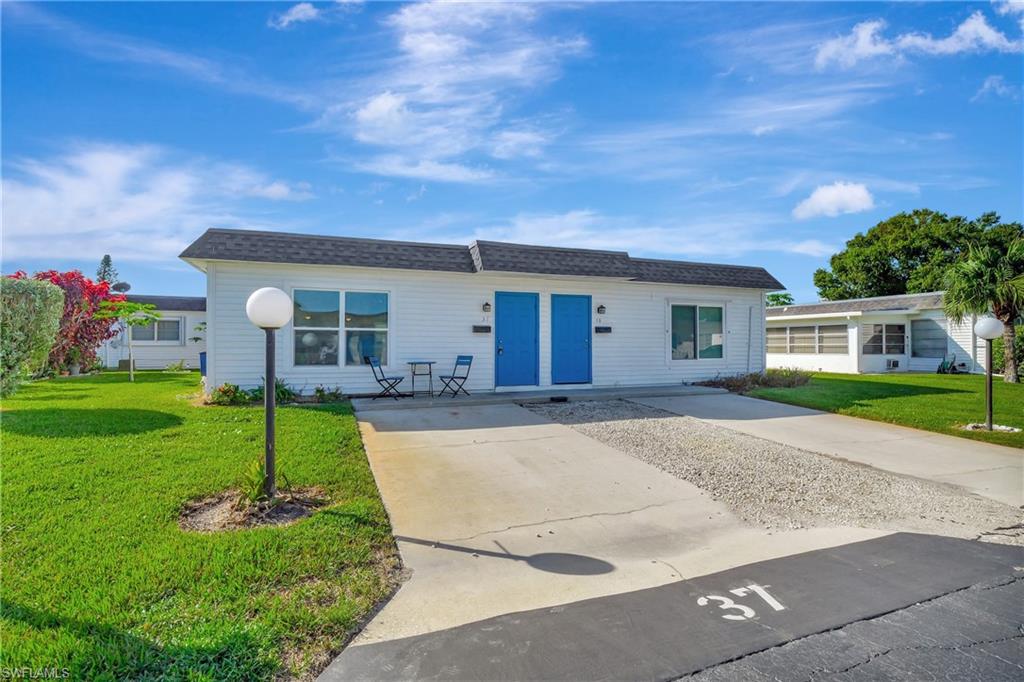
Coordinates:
486 307
601 310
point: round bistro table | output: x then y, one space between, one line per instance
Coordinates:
414 366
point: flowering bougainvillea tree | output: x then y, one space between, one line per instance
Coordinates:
79 328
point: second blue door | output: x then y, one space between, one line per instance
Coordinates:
570 339
516 338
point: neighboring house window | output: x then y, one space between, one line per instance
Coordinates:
316 321
697 332
163 331
833 339
776 340
801 340
366 326
927 339
809 339
888 338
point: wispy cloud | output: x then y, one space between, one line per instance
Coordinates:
832 200
584 228
996 86
296 14
445 95
866 41
142 202
115 47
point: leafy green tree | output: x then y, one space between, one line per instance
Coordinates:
128 315
106 272
779 298
907 253
990 279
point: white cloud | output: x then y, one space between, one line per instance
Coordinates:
296 14
1009 8
832 200
417 195
866 41
446 93
996 86
140 202
396 165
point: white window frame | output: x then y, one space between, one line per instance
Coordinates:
696 331
155 342
340 329
885 335
345 330
817 339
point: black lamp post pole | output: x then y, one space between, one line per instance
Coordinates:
269 403
988 384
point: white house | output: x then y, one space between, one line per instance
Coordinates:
872 335
169 340
531 317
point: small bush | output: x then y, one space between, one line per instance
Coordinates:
323 394
252 482
30 312
178 366
283 393
229 394
772 378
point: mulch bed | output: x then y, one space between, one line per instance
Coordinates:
228 511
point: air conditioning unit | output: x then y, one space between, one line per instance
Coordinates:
892 364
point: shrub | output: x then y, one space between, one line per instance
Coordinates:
178 366
322 394
283 393
998 356
229 394
772 378
252 482
79 328
30 313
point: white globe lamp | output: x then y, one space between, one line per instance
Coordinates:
988 328
269 309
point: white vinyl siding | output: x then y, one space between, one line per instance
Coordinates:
158 354
431 316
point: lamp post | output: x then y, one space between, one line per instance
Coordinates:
988 328
269 309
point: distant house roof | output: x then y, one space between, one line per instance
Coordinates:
480 256
905 302
197 303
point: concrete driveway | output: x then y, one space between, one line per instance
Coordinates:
993 471
498 510
536 552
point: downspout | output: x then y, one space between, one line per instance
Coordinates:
750 334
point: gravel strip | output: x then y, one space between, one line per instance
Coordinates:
777 486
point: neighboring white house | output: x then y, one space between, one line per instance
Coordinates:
531 317
165 342
872 335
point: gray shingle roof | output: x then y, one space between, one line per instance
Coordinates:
171 302
909 302
480 256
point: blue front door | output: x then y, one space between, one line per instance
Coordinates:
570 339
516 332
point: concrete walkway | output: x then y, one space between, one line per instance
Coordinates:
497 510
994 471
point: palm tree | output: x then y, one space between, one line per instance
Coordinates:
990 279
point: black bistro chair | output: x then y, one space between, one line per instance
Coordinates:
454 382
387 383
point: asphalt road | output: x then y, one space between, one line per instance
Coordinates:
903 606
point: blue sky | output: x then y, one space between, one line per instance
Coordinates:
763 134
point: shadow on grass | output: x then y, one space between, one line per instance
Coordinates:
119 654
72 423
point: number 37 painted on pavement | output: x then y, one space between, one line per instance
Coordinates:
744 612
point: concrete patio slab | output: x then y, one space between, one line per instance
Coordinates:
536 396
993 471
498 510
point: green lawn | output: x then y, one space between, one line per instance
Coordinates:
934 402
97 577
